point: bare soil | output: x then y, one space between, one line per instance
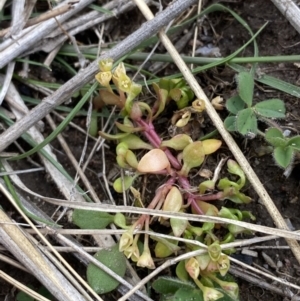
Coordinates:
278 38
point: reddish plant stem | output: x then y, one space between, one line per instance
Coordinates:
161 192
185 184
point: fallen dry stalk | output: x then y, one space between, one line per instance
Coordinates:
17 243
43 17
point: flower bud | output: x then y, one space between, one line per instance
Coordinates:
214 251
211 294
106 64
126 240
146 260
223 264
104 78
198 105
185 118
132 252
231 288
193 268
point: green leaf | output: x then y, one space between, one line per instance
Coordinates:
235 169
283 156
168 285
128 129
99 280
246 122
184 294
21 296
235 104
246 87
294 143
271 108
88 219
118 183
229 123
275 137
111 136
181 272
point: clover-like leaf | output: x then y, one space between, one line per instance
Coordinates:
229 123
271 108
246 87
283 156
235 104
246 122
275 137
99 280
294 143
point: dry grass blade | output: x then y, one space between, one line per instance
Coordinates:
30 36
22 287
290 10
239 156
17 243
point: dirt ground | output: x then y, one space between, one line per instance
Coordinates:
278 38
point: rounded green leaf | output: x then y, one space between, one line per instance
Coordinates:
294 143
181 272
283 156
88 219
118 183
246 122
229 123
246 87
235 104
99 280
271 108
275 137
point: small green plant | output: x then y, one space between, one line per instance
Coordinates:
285 148
141 151
244 114
244 120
